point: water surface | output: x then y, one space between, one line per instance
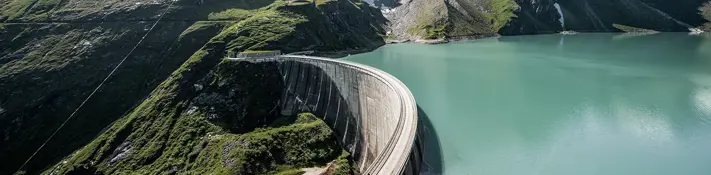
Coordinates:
559 105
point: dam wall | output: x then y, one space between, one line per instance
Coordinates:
373 114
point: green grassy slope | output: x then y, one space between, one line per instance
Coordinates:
212 129
49 68
502 12
630 28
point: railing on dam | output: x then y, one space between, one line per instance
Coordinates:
372 112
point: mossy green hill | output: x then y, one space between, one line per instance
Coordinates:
49 65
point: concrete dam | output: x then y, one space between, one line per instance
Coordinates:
373 114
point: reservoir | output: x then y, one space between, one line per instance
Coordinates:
585 104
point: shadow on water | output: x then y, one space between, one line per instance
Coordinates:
617 49
433 162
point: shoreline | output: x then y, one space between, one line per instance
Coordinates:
345 53
484 36
443 40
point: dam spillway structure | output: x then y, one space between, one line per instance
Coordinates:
373 114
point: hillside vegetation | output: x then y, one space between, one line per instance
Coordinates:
49 65
631 29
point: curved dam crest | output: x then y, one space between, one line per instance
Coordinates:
373 114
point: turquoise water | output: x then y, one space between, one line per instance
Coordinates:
603 104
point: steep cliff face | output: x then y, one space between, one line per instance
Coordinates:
658 15
54 53
430 19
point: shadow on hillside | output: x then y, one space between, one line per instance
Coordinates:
386 3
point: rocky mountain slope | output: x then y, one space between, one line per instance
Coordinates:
432 19
54 53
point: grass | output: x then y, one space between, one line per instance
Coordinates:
141 120
502 12
428 31
41 10
144 118
215 9
47 57
429 24
344 165
14 9
321 2
57 54
460 25
630 28
304 144
300 3
202 25
263 29
230 14
159 136
60 51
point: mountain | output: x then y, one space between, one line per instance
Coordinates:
431 19
56 52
